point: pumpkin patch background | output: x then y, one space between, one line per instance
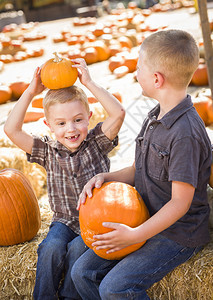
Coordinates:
92 39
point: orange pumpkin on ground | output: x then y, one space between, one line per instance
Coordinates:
201 105
6 58
74 53
115 62
210 112
37 101
90 55
115 94
204 108
200 76
102 50
5 94
118 96
18 88
125 42
121 71
114 49
33 114
98 30
92 100
113 202
72 40
58 73
19 210
130 60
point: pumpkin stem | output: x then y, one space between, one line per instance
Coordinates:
57 58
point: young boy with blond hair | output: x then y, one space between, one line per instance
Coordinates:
171 172
70 161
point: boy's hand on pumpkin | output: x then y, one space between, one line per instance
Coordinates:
121 237
36 86
83 71
97 182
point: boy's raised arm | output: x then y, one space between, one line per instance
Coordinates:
113 107
14 123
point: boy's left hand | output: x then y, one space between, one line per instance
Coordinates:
83 72
121 237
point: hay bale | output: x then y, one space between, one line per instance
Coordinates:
4 140
192 280
98 114
18 262
15 158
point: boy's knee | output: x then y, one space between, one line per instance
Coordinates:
76 274
51 247
76 247
106 290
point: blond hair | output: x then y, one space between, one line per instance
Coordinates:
174 53
72 93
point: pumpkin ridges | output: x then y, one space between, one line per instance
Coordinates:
5 94
28 193
2 226
21 193
21 221
7 214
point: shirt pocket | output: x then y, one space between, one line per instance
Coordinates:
157 162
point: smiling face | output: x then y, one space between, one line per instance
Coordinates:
69 122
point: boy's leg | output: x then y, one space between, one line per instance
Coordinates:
134 274
50 266
74 250
87 273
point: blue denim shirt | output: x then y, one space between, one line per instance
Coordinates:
175 148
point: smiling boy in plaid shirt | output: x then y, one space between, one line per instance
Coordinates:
70 161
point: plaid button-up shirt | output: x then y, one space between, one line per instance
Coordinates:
68 172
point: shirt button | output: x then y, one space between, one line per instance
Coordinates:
75 175
151 127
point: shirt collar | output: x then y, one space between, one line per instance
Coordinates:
170 118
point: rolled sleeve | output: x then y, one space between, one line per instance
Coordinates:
103 142
38 151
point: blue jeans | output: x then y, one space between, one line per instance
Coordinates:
130 277
56 255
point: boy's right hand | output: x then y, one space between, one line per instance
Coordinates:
96 182
36 86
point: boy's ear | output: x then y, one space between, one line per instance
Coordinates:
90 114
159 80
46 123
